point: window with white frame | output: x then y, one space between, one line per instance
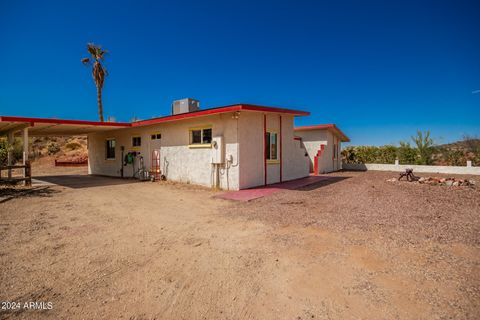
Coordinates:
271 145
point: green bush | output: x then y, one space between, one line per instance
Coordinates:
386 154
52 148
16 148
73 145
406 154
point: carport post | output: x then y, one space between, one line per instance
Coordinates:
25 151
9 153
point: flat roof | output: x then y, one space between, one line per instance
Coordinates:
52 127
330 126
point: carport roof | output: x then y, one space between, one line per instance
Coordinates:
52 127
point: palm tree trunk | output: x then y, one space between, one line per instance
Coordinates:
100 105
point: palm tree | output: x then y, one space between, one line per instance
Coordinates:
99 72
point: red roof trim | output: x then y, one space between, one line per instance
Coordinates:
206 112
329 126
61 121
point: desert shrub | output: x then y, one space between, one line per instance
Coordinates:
349 155
53 148
386 154
73 145
406 154
455 158
16 148
369 154
425 147
366 154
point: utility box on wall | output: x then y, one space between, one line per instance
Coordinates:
218 150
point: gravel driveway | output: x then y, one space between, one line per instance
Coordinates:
356 248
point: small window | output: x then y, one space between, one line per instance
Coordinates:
156 136
201 136
207 136
271 149
110 149
136 141
196 136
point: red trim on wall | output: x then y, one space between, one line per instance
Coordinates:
281 139
316 159
265 148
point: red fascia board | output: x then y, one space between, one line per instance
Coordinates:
252 107
206 112
231 108
62 121
329 126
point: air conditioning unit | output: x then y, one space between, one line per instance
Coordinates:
185 105
218 150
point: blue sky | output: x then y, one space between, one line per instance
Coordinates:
380 70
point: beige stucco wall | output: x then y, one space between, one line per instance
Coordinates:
178 161
294 163
251 149
312 140
243 139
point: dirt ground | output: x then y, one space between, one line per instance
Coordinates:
355 247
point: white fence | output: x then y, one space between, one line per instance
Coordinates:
416 168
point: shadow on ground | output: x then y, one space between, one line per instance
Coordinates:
82 181
9 193
322 183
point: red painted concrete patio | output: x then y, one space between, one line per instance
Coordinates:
255 193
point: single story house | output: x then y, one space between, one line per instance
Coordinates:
323 145
231 147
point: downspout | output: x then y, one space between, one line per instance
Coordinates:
122 148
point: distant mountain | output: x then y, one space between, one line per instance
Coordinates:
468 145
458 153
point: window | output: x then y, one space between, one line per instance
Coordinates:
201 137
271 149
136 141
110 149
156 136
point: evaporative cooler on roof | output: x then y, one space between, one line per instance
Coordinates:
185 105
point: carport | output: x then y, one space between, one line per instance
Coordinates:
37 127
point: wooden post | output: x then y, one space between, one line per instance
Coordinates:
28 173
25 152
